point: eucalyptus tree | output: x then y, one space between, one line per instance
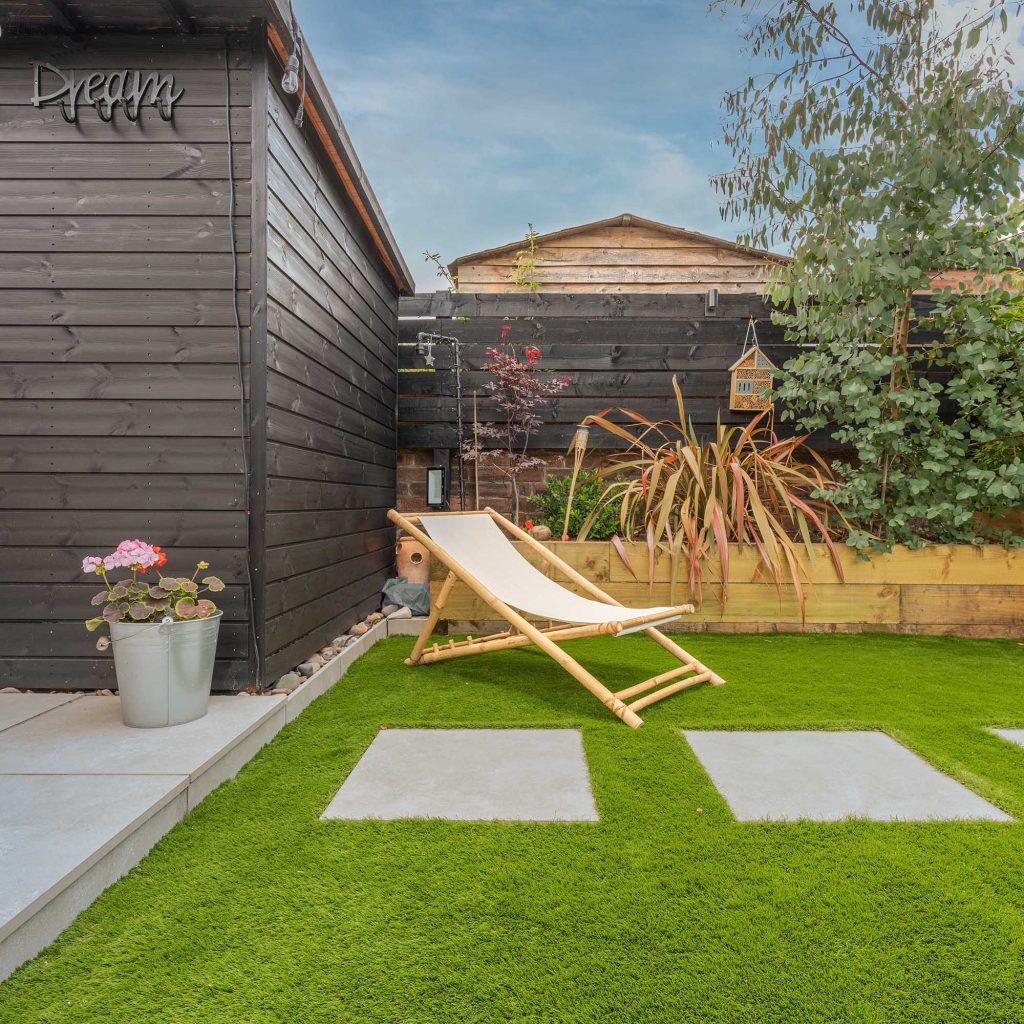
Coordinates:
882 145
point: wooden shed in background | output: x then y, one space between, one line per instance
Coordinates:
198 319
620 254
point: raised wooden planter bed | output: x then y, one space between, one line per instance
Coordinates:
945 589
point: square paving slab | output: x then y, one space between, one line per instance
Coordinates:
828 776
470 775
16 708
1013 735
54 827
87 736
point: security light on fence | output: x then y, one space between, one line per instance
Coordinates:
436 487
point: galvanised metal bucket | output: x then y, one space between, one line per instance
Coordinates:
164 670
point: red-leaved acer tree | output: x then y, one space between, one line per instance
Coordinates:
519 389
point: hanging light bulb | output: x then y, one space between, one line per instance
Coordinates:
290 80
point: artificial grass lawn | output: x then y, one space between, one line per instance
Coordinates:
667 910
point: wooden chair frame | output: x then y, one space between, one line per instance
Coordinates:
522 632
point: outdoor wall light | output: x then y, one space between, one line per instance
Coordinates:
436 487
290 81
711 301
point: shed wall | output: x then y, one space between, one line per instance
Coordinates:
119 385
621 259
332 316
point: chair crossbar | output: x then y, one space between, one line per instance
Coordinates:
667 691
632 691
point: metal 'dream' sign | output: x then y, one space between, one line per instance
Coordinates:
129 90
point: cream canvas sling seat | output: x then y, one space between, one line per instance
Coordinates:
475 547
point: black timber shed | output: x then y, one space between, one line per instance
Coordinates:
198 318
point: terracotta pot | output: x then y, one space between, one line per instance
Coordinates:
413 560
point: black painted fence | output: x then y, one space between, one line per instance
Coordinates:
620 350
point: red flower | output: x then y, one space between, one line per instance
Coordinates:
505 328
531 353
528 525
162 560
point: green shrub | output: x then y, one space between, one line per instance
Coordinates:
549 506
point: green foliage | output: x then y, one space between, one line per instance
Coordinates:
694 498
526 262
886 150
551 502
135 600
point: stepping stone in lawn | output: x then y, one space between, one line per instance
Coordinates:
469 775
828 776
1013 735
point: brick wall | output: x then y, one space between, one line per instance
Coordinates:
495 490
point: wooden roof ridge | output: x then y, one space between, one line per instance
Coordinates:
622 220
753 351
335 138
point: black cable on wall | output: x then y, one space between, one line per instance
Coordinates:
243 418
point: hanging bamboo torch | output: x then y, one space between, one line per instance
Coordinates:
578 448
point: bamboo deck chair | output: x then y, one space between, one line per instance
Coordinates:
476 551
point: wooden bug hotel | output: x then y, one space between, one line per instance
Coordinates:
750 377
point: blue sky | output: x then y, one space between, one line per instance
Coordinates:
474 117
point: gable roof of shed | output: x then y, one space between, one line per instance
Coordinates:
625 220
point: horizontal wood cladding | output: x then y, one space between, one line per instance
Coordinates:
123 197
115 306
119 384
111 52
190 125
152 344
331 359
148 161
617 360
101 418
186 271
573 304
90 673
945 589
104 234
118 380
620 259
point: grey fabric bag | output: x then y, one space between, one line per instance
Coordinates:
414 596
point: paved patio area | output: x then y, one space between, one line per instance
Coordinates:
83 798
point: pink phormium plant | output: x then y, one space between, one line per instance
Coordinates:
519 389
135 600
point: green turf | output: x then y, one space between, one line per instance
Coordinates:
667 910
